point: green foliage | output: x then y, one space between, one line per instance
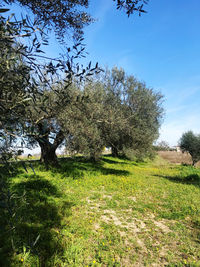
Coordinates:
61 16
190 143
113 110
83 119
27 99
138 112
68 17
14 83
26 73
139 154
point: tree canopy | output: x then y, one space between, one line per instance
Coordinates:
190 143
70 16
34 95
117 111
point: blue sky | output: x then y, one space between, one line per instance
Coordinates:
161 48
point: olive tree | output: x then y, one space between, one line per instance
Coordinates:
190 143
65 18
82 119
28 97
114 110
138 110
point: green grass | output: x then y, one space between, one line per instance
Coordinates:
114 213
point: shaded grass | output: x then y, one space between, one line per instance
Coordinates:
34 217
76 168
114 213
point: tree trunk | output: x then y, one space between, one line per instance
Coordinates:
114 151
48 155
95 157
48 150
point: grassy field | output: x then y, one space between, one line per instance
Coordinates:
114 213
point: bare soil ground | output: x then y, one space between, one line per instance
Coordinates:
176 157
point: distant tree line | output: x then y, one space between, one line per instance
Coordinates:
162 146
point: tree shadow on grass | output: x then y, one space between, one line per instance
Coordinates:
192 179
33 222
76 168
111 161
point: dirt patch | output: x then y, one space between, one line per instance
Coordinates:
88 200
163 227
135 225
176 157
112 217
136 233
160 224
96 226
105 219
132 198
107 196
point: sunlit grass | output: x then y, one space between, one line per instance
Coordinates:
112 213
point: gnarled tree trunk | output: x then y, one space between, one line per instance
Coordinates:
48 154
48 149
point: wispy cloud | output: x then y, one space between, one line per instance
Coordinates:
100 16
173 130
176 109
